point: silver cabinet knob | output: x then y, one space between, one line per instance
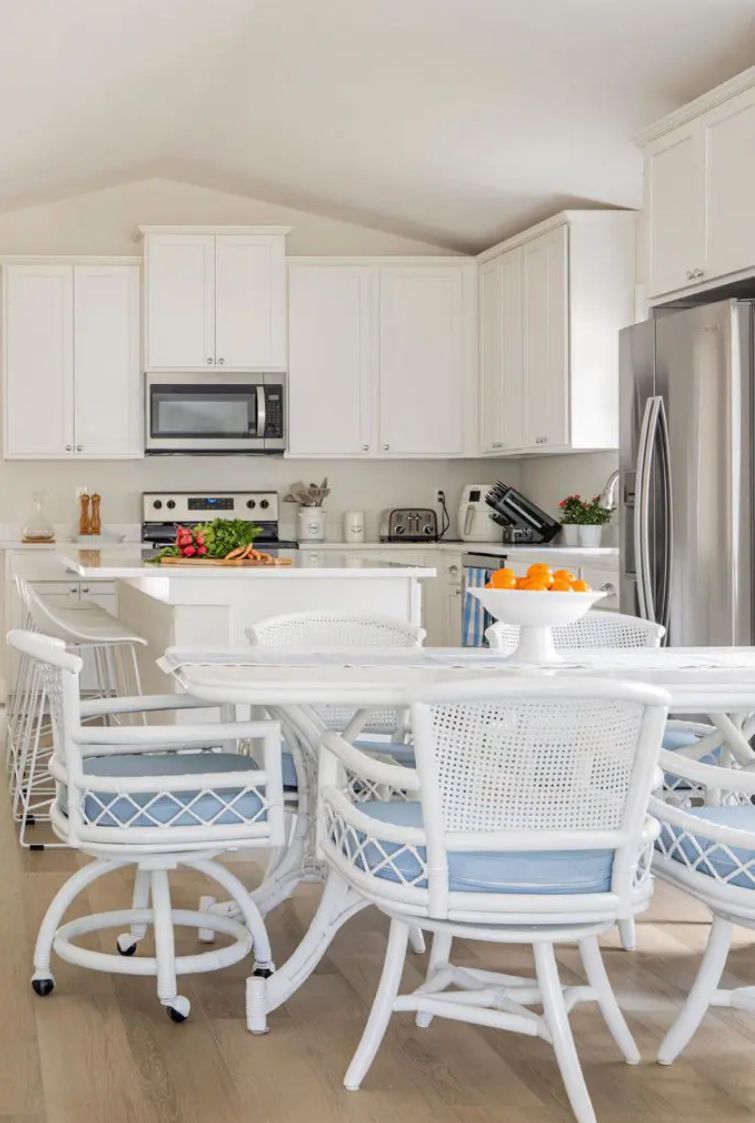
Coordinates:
690 274
365 448
497 444
74 588
79 448
69 448
386 447
221 361
86 589
453 569
210 361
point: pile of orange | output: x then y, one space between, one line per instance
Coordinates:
540 578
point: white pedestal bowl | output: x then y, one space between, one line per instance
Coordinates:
536 614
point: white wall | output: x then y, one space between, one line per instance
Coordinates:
547 479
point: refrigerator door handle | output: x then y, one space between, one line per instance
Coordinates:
642 507
668 515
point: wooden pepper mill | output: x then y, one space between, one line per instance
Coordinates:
95 525
84 523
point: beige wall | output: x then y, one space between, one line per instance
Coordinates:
104 222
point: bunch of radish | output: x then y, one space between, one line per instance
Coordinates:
190 543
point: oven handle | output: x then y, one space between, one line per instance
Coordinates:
261 411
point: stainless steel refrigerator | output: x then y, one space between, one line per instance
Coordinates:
686 464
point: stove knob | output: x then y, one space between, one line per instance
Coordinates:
251 504
264 504
157 504
171 504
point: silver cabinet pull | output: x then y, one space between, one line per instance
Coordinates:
453 569
365 448
386 447
69 448
210 361
221 361
79 448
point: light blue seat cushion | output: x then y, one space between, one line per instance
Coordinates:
123 811
674 739
550 871
403 754
715 861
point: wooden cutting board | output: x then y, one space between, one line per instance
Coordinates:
248 563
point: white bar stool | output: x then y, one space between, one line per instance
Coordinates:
29 744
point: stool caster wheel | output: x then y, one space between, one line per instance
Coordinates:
43 985
263 972
179 1009
126 944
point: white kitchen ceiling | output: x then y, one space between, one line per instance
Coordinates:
457 121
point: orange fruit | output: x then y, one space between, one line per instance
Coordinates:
580 587
503 579
540 570
561 587
533 585
521 582
564 575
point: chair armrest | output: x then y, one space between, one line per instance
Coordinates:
137 704
367 767
172 736
707 775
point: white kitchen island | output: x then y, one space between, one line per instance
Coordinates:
209 607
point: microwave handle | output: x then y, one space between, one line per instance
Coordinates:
261 411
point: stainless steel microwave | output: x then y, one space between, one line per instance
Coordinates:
219 413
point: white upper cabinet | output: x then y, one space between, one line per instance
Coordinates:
179 301
546 364
332 325
552 301
422 360
699 187
381 356
675 186
72 373
501 352
215 299
250 309
108 404
38 354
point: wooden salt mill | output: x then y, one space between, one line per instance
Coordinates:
84 523
95 525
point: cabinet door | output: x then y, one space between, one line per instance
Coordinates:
422 360
332 311
250 295
730 160
501 370
38 345
180 301
546 351
675 201
107 371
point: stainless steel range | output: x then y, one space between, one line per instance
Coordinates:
161 511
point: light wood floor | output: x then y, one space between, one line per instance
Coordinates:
102 1050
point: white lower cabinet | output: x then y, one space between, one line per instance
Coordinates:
382 357
72 370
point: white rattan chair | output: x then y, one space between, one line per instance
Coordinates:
595 629
133 796
524 821
706 847
88 630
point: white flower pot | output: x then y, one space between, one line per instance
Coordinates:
310 524
569 534
590 536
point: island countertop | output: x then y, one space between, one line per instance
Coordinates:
125 566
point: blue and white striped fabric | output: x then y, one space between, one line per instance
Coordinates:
475 619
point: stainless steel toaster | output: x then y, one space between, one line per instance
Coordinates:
408 524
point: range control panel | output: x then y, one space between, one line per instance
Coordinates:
185 506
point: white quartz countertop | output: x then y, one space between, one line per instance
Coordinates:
122 565
498 549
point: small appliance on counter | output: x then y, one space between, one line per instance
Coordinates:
476 524
161 511
408 524
512 509
353 526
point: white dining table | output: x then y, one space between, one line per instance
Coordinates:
290 685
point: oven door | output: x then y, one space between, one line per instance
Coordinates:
194 413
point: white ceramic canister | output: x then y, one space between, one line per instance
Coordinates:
310 524
353 526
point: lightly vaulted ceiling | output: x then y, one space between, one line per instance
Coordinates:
456 121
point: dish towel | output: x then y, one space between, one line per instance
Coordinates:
475 619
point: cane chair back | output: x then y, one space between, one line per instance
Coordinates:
596 629
503 772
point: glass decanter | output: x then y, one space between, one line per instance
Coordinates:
38 528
